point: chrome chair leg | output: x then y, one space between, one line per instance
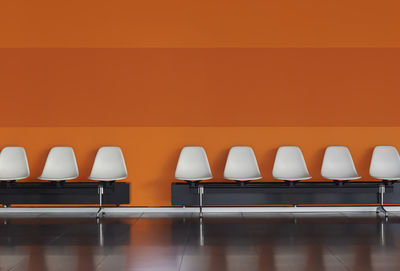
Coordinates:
100 191
201 192
381 208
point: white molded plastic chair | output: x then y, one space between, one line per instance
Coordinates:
60 165
193 165
385 163
13 164
109 165
290 164
241 165
338 164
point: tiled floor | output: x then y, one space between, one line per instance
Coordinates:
156 241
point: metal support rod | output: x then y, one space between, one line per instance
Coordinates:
381 208
101 235
201 192
100 192
201 237
382 232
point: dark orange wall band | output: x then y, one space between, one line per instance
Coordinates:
199 87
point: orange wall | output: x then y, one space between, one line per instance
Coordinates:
206 23
199 87
152 152
152 102
154 76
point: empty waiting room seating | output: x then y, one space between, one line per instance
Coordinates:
193 165
60 165
13 164
385 163
290 165
241 165
338 164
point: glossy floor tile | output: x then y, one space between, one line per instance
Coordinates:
235 241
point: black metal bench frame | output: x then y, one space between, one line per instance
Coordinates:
284 193
56 193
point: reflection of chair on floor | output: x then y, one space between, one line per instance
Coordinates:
362 258
266 257
315 257
37 258
85 258
218 259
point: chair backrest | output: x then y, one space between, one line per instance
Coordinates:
109 165
241 165
193 165
338 164
385 163
60 165
13 164
290 164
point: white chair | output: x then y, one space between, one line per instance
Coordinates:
193 165
385 163
241 165
60 165
338 164
290 165
109 166
13 164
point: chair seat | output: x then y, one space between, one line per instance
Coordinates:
13 164
193 165
241 165
290 165
107 180
343 178
387 178
13 178
293 179
385 163
109 165
60 165
244 179
338 164
44 178
193 179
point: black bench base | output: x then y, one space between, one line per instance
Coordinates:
115 193
280 193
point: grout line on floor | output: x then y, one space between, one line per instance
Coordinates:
338 258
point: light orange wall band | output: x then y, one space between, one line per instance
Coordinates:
151 153
207 23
